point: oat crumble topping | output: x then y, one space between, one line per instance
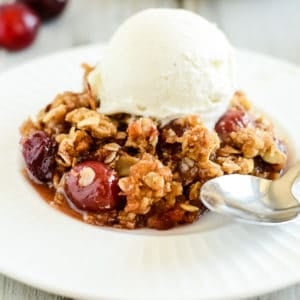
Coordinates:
159 168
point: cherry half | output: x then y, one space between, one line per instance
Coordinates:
92 186
18 26
46 9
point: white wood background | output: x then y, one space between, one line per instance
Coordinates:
269 26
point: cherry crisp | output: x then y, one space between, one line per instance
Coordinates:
130 171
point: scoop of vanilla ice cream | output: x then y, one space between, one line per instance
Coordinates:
165 63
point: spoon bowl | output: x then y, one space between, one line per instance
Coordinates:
255 199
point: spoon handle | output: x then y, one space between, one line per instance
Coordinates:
295 169
282 191
294 190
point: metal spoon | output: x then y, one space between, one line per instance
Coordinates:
254 199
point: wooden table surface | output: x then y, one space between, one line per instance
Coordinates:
95 20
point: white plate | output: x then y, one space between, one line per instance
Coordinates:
212 259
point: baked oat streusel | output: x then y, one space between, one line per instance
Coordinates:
129 171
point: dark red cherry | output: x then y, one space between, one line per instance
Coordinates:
18 26
46 9
232 121
92 186
39 154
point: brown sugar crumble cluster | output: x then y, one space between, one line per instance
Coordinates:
130 172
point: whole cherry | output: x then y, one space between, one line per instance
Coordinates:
46 9
18 26
92 186
232 120
39 154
